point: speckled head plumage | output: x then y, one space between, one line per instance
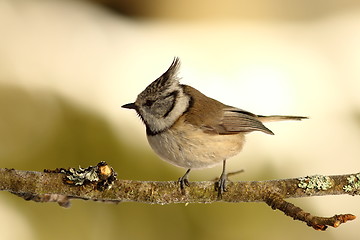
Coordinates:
167 81
162 102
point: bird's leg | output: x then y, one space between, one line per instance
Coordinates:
220 185
183 181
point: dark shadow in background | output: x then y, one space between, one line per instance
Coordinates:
275 10
40 129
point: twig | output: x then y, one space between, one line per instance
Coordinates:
318 223
62 185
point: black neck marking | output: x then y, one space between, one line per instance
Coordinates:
174 94
149 132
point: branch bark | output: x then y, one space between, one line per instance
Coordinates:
60 186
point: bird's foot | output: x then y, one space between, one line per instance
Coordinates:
184 181
220 185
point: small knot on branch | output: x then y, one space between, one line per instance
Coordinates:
102 175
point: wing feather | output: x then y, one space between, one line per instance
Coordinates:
218 118
236 120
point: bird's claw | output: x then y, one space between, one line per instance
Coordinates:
183 181
220 185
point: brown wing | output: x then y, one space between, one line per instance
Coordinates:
236 120
218 118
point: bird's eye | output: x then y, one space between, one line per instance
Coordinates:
149 103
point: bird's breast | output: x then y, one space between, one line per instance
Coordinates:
187 146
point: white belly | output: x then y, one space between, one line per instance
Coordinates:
192 148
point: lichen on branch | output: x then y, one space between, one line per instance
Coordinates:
99 183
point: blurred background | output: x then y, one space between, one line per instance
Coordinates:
66 67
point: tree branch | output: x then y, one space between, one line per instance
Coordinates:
99 184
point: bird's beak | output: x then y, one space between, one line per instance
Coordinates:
129 106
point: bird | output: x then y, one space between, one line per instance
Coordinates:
190 130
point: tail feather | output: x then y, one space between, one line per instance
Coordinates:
275 118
